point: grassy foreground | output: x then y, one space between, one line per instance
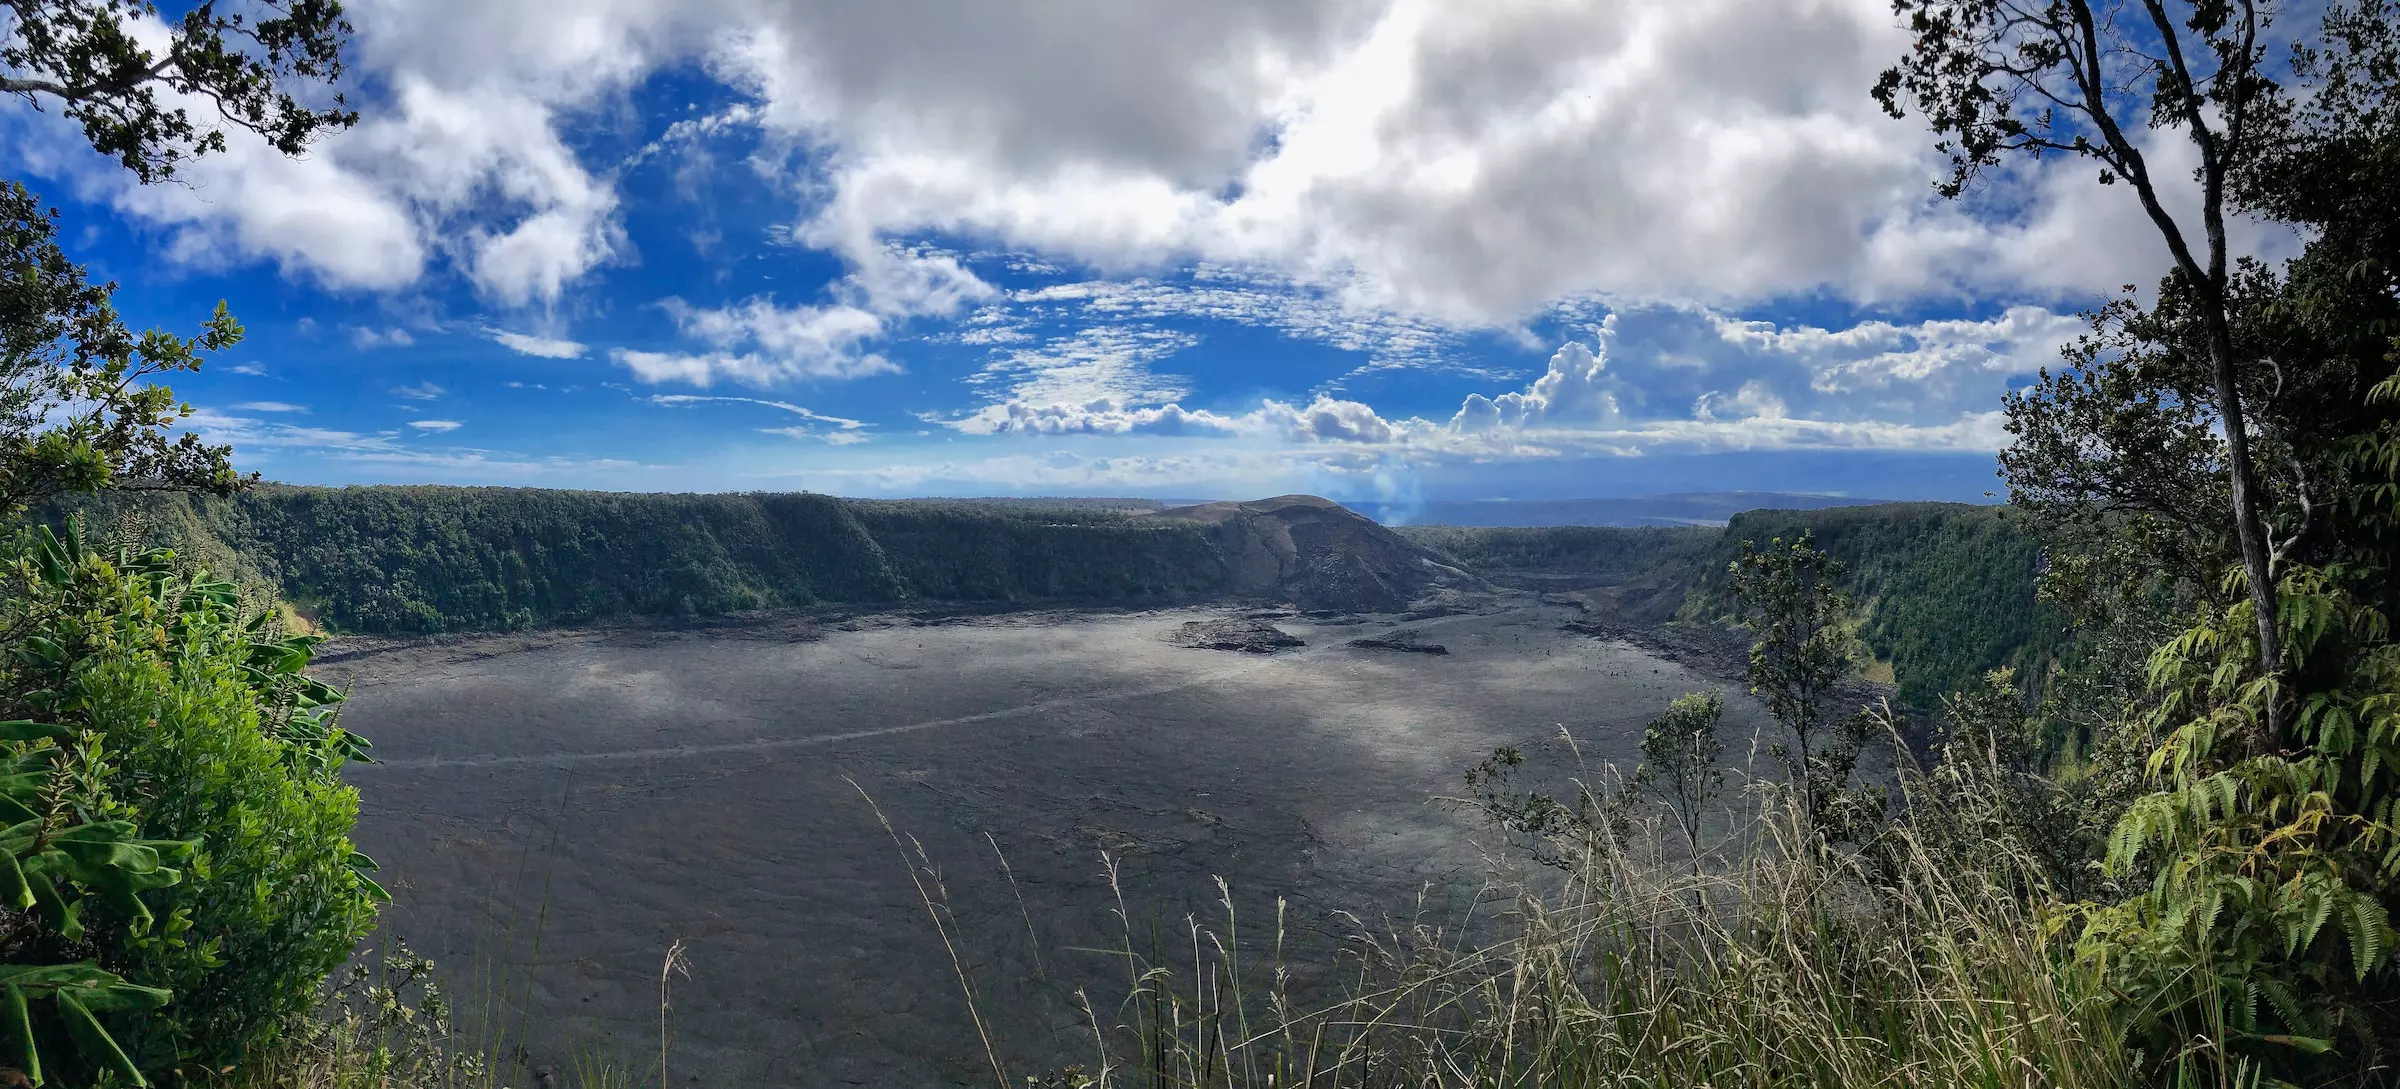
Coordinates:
1776 967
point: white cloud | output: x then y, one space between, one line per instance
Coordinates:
270 406
293 448
544 347
761 344
1245 297
1463 163
1691 379
366 339
844 431
1096 417
422 391
758 343
254 370
435 425
1575 390
1881 369
835 438
456 162
1102 362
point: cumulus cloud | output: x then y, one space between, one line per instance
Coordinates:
1881 369
1576 389
1471 162
759 343
455 161
544 347
1466 162
435 425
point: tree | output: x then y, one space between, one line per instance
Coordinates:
2260 837
87 58
2043 77
79 406
141 701
1791 599
1681 753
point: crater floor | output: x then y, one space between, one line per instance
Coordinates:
553 811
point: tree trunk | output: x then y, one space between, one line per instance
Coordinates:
2249 528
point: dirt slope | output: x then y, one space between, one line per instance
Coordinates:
1318 554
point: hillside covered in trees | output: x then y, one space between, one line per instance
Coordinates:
1945 591
415 560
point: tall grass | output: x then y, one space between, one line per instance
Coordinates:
1789 964
1797 972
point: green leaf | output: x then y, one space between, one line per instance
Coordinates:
2367 928
17 1022
104 991
13 890
49 556
62 916
29 730
2309 1044
95 1041
43 649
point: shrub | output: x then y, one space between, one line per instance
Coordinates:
195 725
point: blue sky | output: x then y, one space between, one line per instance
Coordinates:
1372 249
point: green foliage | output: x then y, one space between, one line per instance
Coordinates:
1947 590
1554 833
972 552
2257 840
86 57
65 847
1990 786
448 559
200 729
436 559
2266 923
1790 597
385 1023
81 408
1682 761
1609 553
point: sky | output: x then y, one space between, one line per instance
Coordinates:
1379 250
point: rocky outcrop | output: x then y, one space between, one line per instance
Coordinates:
1318 554
1404 640
1247 635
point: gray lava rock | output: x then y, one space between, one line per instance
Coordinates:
1247 635
1404 639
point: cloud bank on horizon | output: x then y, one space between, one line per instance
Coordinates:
920 246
